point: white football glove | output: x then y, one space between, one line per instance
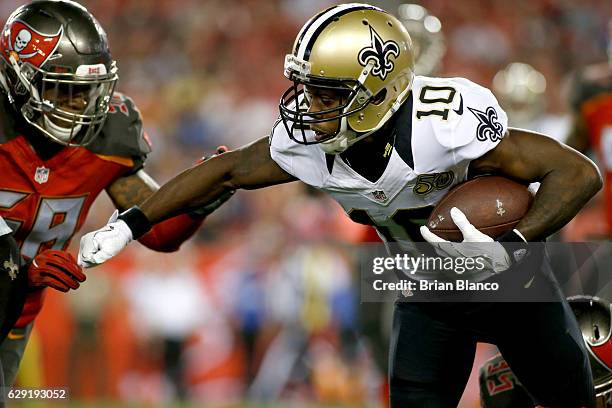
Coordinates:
101 245
493 253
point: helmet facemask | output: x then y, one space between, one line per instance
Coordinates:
298 118
355 97
69 108
362 54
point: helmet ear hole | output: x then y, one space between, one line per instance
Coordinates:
380 97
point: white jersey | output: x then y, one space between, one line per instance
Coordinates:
4 229
444 124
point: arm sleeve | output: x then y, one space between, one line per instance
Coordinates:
169 235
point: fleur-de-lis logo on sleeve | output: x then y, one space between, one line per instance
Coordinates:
379 52
488 126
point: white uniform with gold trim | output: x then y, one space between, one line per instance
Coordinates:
443 125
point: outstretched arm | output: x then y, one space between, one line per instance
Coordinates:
249 167
568 179
169 235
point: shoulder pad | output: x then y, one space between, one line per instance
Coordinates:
123 134
305 162
455 121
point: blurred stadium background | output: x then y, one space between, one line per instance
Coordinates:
261 307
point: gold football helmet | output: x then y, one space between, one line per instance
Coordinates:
363 53
427 37
520 89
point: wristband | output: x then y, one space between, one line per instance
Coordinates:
136 221
516 244
511 236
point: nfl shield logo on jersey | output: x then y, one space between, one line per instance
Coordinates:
42 175
379 195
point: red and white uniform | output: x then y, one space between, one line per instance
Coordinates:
592 100
46 202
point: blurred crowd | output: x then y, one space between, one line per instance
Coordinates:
264 303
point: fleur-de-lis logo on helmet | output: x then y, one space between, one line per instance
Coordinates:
379 52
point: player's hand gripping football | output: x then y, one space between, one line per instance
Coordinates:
493 253
55 269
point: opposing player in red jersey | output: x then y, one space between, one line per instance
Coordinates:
591 101
65 136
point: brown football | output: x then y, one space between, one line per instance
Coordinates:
493 204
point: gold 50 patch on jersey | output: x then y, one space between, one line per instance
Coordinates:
426 183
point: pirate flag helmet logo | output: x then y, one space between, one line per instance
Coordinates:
26 44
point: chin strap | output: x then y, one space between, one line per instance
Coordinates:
345 136
340 142
62 133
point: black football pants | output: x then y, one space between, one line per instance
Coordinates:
13 285
433 347
13 289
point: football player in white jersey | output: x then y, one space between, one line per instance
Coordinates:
387 145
